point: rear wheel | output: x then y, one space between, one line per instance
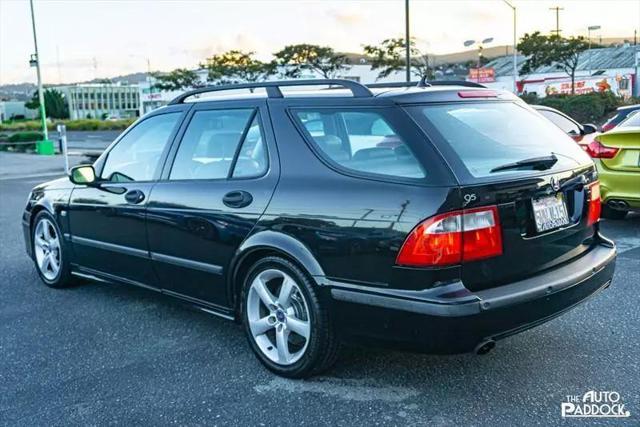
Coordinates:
609 213
48 251
287 327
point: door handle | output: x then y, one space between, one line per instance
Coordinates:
237 199
134 197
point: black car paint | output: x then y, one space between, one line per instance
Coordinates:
344 229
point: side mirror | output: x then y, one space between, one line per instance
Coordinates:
83 175
589 128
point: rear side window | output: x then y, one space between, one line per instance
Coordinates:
216 141
488 135
361 141
562 122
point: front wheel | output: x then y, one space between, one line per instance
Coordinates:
48 251
288 329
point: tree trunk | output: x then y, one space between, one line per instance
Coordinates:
573 81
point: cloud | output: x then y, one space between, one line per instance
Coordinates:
345 18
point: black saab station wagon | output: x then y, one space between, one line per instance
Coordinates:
438 218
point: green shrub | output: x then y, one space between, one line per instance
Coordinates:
26 137
17 147
587 108
609 100
530 98
554 101
72 125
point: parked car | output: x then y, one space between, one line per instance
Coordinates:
430 218
621 114
617 157
581 133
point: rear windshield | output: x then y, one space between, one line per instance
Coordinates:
488 135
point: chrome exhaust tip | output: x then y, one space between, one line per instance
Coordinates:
485 347
618 204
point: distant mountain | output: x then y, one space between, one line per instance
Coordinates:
127 78
24 91
18 91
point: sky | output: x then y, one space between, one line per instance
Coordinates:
85 39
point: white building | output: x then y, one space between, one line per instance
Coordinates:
16 109
102 100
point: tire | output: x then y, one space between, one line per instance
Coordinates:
47 242
615 214
268 325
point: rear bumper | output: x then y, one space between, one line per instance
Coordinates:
454 320
619 185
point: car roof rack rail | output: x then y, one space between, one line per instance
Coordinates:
273 88
426 83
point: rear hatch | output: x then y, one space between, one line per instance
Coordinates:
505 155
622 148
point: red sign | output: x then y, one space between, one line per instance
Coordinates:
482 75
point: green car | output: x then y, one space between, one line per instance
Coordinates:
616 153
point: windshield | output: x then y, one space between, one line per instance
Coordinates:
488 135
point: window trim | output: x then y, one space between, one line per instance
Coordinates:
354 173
255 112
102 160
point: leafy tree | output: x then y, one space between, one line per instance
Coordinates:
236 66
543 50
389 57
55 104
178 79
298 58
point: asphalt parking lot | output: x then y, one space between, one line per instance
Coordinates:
106 354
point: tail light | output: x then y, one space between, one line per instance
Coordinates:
452 238
598 151
595 204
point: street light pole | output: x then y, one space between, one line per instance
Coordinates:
407 40
515 50
43 116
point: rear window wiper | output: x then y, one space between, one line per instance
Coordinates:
537 163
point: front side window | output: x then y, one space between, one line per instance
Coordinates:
215 141
361 141
136 156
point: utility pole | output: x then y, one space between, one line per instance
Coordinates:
45 146
407 40
515 47
557 10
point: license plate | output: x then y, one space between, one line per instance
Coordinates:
550 212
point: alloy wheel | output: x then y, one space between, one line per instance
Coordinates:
46 244
278 316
